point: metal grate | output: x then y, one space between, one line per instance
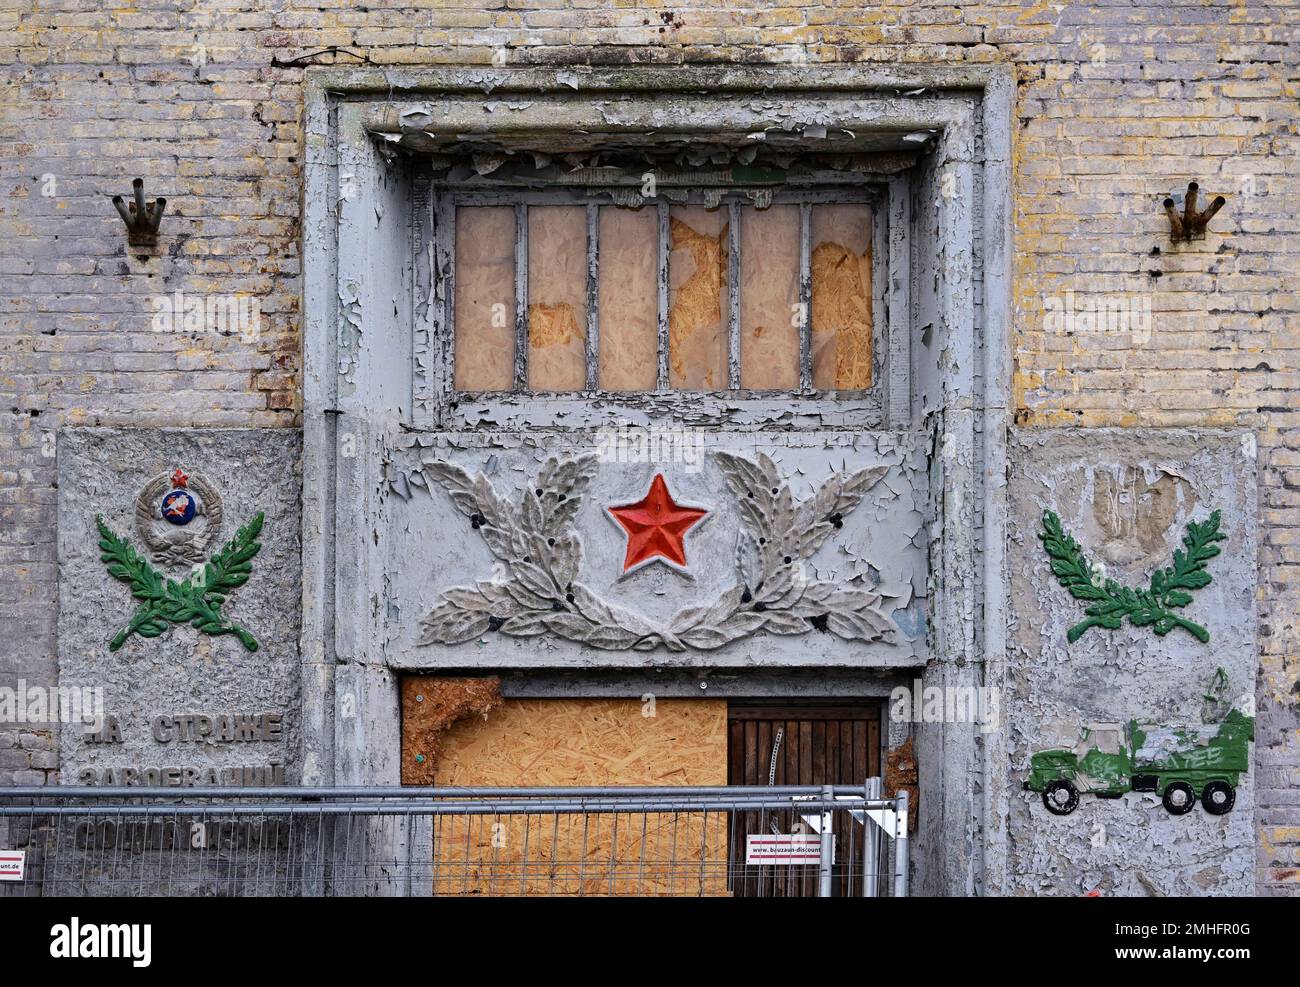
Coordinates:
452 842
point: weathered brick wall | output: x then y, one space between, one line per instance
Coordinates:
1120 104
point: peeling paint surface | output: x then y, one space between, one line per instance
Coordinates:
184 671
881 542
927 535
1127 494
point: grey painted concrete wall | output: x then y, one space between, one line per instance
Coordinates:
952 256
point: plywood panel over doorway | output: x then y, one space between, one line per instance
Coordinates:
589 742
567 742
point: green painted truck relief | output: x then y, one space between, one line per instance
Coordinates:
1179 764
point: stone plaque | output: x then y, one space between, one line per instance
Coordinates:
190 629
1129 498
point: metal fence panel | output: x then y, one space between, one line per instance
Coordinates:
453 842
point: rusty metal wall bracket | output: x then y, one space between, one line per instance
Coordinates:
142 219
1191 224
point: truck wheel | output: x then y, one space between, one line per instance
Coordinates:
1178 798
1217 798
1060 797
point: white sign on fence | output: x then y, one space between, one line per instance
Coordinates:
783 849
12 863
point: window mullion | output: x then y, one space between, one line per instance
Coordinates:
521 297
443 328
898 281
662 381
593 296
733 295
805 296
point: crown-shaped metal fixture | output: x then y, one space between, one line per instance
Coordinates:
141 218
1191 224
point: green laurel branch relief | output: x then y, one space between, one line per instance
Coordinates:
164 602
1109 602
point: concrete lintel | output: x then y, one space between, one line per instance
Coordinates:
353 83
704 683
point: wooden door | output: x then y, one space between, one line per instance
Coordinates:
800 744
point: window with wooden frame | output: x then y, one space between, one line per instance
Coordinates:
724 289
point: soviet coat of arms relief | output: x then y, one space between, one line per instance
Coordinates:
557 549
179 520
178 517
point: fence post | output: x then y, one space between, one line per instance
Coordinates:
827 854
871 857
900 845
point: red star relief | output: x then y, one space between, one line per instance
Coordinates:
656 526
179 479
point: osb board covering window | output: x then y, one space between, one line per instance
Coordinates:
625 263
629 299
769 298
542 742
557 298
485 298
841 297
697 292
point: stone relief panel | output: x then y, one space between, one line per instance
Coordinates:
180 589
642 547
1109 671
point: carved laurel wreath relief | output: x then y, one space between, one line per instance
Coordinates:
541 553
